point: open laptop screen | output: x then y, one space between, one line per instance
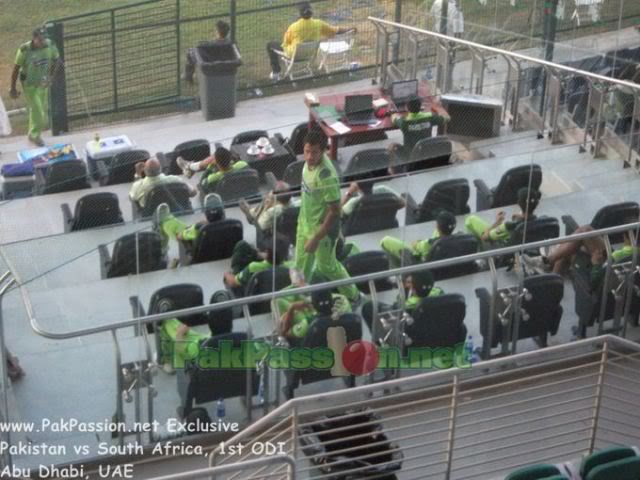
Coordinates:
404 90
358 104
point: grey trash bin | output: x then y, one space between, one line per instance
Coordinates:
217 67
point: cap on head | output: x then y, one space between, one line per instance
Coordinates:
422 282
528 200
38 32
321 299
213 208
305 10
446 222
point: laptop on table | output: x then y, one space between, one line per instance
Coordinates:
402 92
358 109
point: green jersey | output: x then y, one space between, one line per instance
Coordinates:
213 176
414 300
422 248
302 319
620 255
320 187
35 63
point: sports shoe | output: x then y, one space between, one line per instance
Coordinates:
160 215
185 166
274 77
36 141
539 264
168 368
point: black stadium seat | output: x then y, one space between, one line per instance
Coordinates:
176 195
191 151
91 211
506 192
438 322
61 177
134 253
215 241
450 195
376 211
249 136
122 167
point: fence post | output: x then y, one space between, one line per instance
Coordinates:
178 48
233 7
58 88
114 58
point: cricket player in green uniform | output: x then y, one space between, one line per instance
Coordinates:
417 285
319 220
399 252
35 65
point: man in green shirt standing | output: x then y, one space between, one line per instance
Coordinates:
35 65
319 220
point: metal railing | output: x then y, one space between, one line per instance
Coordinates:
552 405
553 83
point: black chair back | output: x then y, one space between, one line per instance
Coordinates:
373 162
438 322
135 253
267 281
249 136
453 246
369 262
287 223
216 240
197 385
376 211
535 230
122 168
451 195
96 210
66 176
180 296
293 174
176 195
296 140
542 304
430 153
614 215
238 184
191 151
506 193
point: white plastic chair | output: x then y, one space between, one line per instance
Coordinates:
300 64
335 54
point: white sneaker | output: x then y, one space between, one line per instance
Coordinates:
168 368
160 215
185 166
274 77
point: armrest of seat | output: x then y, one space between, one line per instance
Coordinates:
271 180
67 218
135 210
484 195
183 255
105 260
412 213
570 225
103 172
484 298
39 181
278 136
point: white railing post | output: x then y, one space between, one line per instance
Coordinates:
598 399
452 426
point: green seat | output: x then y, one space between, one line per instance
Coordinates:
535 472
623 469
604 456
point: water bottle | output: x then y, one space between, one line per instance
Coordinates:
468 350
220 410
